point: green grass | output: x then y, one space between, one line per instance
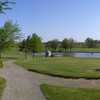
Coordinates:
86 49
12 53
1 63
2 86
61 93
63 66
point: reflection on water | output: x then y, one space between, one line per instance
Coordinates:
74 54
87 55
80 55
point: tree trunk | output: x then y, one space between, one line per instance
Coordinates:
25 55
70 50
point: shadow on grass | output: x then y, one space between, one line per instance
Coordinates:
62 76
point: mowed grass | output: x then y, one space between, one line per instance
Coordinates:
86 49
68 67
61 93
2 86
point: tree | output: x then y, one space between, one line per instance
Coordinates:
53 44
70 43
90 43
32 44
65 44
35 44
5 5
23 47
8 34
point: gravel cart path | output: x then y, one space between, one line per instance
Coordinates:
25 85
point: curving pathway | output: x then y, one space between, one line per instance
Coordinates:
24 85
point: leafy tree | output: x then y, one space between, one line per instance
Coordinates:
35 44
54 44
5 5
24 46
32 44
70 43
90 43
65 44
8 34
28 46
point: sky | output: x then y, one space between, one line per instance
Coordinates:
56 19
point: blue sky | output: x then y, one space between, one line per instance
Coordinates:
60 19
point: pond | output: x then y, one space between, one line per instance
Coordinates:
80 54
74 54
87 55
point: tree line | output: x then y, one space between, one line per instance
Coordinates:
33 44
10 32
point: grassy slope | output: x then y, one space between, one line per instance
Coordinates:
60 93
12 53
2 86
64 66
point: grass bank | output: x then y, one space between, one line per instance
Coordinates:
2 86
68 67
61 93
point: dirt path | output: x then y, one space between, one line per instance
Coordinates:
24 85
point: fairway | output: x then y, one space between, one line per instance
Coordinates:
61 93
68 67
